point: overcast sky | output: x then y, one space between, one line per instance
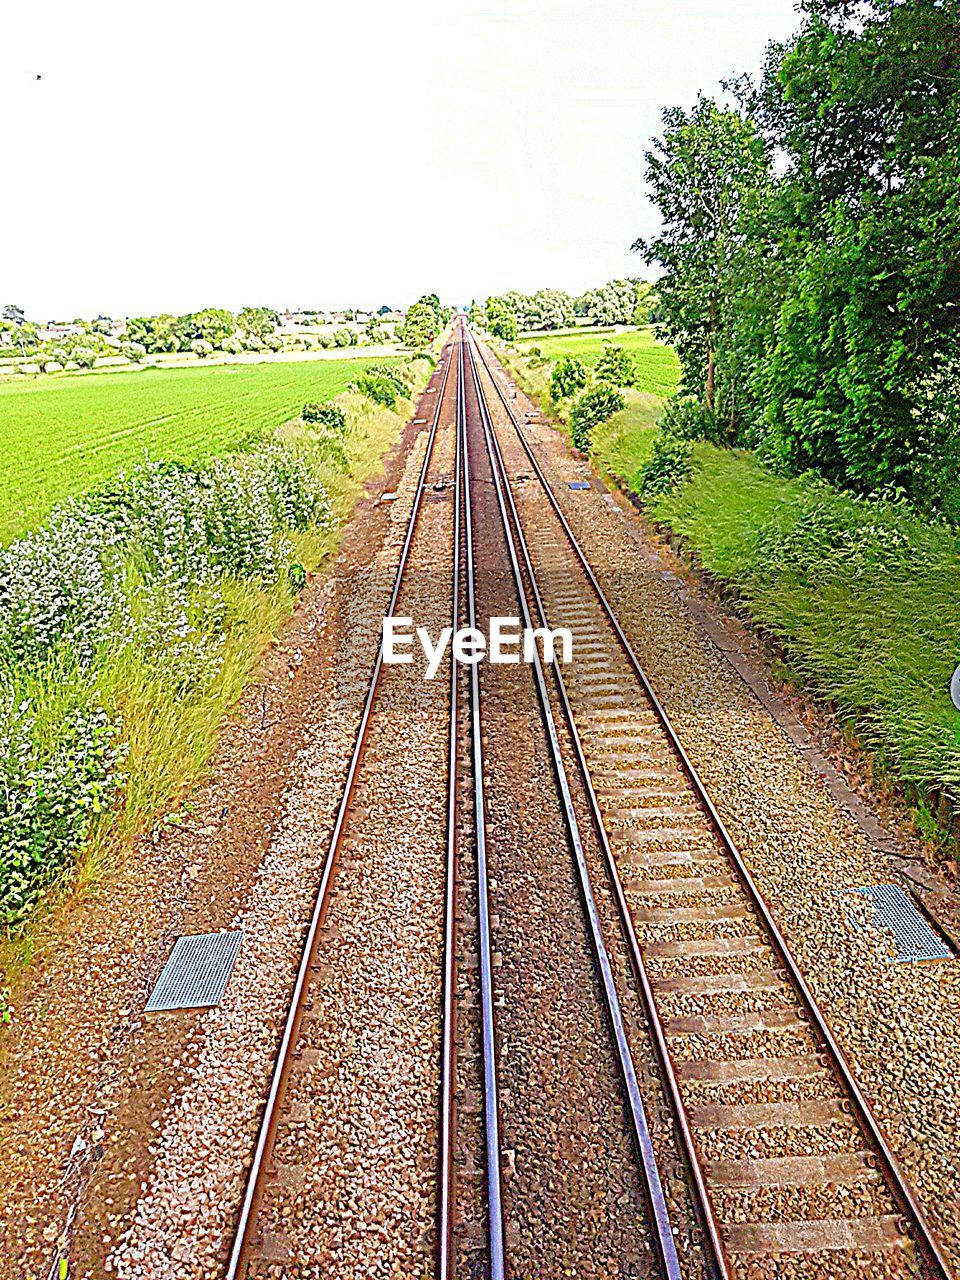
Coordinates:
314 154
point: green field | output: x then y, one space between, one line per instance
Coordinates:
62 436
656 364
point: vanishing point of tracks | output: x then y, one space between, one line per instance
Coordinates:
619 1069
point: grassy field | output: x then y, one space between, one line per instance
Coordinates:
62 436
656 364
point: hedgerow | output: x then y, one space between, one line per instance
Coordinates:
136 572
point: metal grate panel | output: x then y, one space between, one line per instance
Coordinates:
196 975
579 484
912 935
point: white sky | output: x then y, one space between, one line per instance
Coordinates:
326 154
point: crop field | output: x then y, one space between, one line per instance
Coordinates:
656 364
62 436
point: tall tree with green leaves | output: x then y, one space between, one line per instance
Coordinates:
705 173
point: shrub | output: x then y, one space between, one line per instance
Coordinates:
379 387
615 366
670 462
84 356
49 799
343 337
569 376
233 345
592 408
273 342
685 418
325 340
134 351
328 416
201 348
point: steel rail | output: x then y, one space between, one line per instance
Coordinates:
241 1243
491 1108
896 1182
445 1197
637 963
662 1230
491 1099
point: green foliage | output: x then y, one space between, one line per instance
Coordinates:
259 321
655 364
615 366
200 348
382 387
84 356
617 302
591 408
134 351
669 463
344 337
686 418
569 376
863 595
501 319
134 573
328 416
814 304
50 797
420 326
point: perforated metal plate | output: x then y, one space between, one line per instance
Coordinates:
912 935
196 975
579 484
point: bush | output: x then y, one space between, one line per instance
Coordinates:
569 376
325 340
668 464
201 348
134 351
233 345
592 408
615 366
685 418
49 799
379 387
84 356
328 416
343 337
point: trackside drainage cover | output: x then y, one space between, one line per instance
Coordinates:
196 975
388 497
579 484
912 935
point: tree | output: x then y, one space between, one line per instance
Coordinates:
704 172
569 376
420 326
261 321
501 319
134 351
84 356
212 325
615 366
201 348
590 410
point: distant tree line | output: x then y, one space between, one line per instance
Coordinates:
617 302
811 247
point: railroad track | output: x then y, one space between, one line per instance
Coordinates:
256 1243
789 1167
783 1160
